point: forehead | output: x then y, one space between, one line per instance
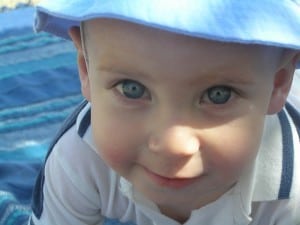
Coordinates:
116 37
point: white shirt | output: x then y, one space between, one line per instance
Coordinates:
294 95
79 188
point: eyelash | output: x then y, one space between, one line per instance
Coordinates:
204 99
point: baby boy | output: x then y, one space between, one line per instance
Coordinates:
185 119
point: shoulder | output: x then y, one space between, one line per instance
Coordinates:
276 198
280 212
74 154
71 166
72 150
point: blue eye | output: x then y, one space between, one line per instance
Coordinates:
132 89
219 94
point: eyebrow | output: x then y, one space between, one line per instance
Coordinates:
133 74
236 79
208 78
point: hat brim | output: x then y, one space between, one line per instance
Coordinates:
266 22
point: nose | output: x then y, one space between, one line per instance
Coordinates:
175 141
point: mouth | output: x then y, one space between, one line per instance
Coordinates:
173 183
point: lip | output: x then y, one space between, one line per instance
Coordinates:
174 183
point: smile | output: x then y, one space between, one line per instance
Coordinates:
174 183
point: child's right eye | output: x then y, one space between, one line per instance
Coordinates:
131 89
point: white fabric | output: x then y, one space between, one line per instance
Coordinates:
80 189
294 96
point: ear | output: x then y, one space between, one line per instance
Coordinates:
75 35
282 82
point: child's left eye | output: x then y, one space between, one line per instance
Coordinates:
218 95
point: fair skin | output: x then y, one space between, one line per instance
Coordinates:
177 116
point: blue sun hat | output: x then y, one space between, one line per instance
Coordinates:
266 22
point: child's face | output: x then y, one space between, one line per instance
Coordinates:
179 117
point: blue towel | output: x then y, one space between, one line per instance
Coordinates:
39 87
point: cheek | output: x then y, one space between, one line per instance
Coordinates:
110 146
115 141
114 158
235 148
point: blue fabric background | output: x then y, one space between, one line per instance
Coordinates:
39 87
